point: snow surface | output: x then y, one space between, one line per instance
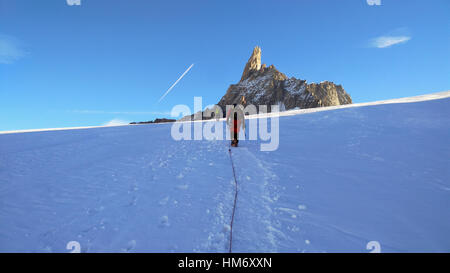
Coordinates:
339 180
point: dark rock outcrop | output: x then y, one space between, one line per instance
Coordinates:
158 120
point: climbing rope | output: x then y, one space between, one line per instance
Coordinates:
235 199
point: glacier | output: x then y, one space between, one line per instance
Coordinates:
341 178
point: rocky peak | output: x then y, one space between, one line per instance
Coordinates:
263 85
253 64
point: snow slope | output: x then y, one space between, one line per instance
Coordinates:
340 179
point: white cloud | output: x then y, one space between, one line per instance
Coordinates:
374 2
116 122
387 41
120 112
10 50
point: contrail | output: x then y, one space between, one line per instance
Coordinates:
173 85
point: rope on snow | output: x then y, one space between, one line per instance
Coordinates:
235 199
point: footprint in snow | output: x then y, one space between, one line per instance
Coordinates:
164 201
133 201
183 187
226 228
164 221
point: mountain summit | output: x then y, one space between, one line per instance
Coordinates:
263 85
253 64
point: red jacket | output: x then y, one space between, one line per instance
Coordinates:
237 122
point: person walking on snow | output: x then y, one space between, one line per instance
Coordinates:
235 120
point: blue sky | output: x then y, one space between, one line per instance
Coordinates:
88 64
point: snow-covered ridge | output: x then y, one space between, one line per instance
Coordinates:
426 97
57 129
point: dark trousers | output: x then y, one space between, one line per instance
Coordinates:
234 136
234 133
